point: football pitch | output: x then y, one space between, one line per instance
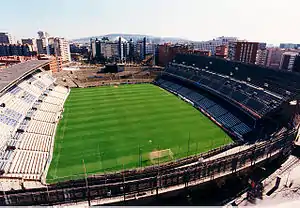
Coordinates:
106 129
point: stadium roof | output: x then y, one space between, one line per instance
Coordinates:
15 72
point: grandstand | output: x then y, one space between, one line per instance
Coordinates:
241 98
92 77
31 105
257 107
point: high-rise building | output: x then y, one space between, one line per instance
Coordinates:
140 49
58 47
5 38
243 51
116 50
144 48
288 59
131 51
44 36
261 57
40 45
62 48
167 52
126 51
93 48
274 57
296 67
96 48
121 43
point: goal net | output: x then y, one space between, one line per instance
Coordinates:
159 156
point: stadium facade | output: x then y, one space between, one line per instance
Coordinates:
257 107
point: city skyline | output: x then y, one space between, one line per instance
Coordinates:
195 20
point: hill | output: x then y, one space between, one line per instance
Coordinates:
134 37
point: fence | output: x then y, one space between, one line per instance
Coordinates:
160 179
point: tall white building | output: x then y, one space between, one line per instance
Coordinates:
59 47
64 49
41 49
212 44
261 57
42 43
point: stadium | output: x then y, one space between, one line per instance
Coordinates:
67 138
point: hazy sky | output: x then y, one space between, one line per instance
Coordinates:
273 21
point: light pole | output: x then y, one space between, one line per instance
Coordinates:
189 144
86 183
140 156
100 157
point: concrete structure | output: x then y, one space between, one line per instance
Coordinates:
211 45
95 47
222 51
5 38
243 51
41 47
288 60
43 34
200 53
167 52
289 46
274 57
63 49
116 50
31 42
59 47
150 48
28 41
44 37
15 50
261 57
296 67
11 60
55 62
262 46
18 71
141 49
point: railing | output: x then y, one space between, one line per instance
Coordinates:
125 186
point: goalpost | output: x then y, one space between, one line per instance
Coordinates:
160 155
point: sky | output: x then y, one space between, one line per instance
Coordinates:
271 21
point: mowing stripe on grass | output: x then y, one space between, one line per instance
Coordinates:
109 127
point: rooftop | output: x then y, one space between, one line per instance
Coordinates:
13 73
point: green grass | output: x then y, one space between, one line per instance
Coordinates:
111 127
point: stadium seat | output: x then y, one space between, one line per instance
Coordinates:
241 128
31 138
228 120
